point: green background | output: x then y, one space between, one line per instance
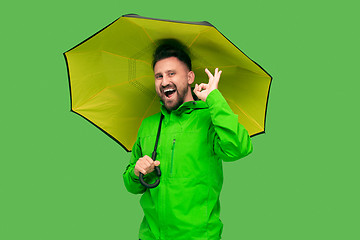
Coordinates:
61 178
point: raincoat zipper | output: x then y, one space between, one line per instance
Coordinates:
172 156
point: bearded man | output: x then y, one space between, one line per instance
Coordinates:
198 133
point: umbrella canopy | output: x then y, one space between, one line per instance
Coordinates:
112 80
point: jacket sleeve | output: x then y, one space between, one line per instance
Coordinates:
131 181
231 140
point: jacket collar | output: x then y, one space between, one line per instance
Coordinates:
186 107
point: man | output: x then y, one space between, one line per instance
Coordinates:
196 136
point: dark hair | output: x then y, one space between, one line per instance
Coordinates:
172 48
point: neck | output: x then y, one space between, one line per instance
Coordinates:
189 97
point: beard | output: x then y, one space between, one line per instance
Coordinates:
175 100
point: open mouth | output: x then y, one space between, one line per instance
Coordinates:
169 92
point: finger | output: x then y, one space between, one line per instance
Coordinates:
144 161
209 74
143 166
218 78
136 171
195 88
217 74
197 91
147 165
148 159
199 88
203 86
140 169
156 163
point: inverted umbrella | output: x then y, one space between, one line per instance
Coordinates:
112 80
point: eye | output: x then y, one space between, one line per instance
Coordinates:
159 76
171 74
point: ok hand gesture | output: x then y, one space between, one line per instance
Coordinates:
203 90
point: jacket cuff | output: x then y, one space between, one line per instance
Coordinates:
133 176
214 97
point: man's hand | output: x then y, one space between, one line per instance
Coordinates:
203 90
145 165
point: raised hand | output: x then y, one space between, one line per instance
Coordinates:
203 90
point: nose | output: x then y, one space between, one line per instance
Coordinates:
165 81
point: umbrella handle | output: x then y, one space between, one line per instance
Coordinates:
155 184
153 156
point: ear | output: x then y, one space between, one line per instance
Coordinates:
191 77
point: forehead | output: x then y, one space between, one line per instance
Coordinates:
171 63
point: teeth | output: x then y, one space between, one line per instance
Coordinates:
169 90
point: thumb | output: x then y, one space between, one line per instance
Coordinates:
156 163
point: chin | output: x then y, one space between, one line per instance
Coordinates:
172 106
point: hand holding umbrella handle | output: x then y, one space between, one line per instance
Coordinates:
155 184
153 157
158 173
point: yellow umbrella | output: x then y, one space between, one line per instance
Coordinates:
112 80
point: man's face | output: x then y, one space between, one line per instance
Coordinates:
172 82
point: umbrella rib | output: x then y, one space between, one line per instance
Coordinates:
142 29
248 116
126 57
147 110
147 34
197 36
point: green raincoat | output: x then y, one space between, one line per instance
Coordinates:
194 140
